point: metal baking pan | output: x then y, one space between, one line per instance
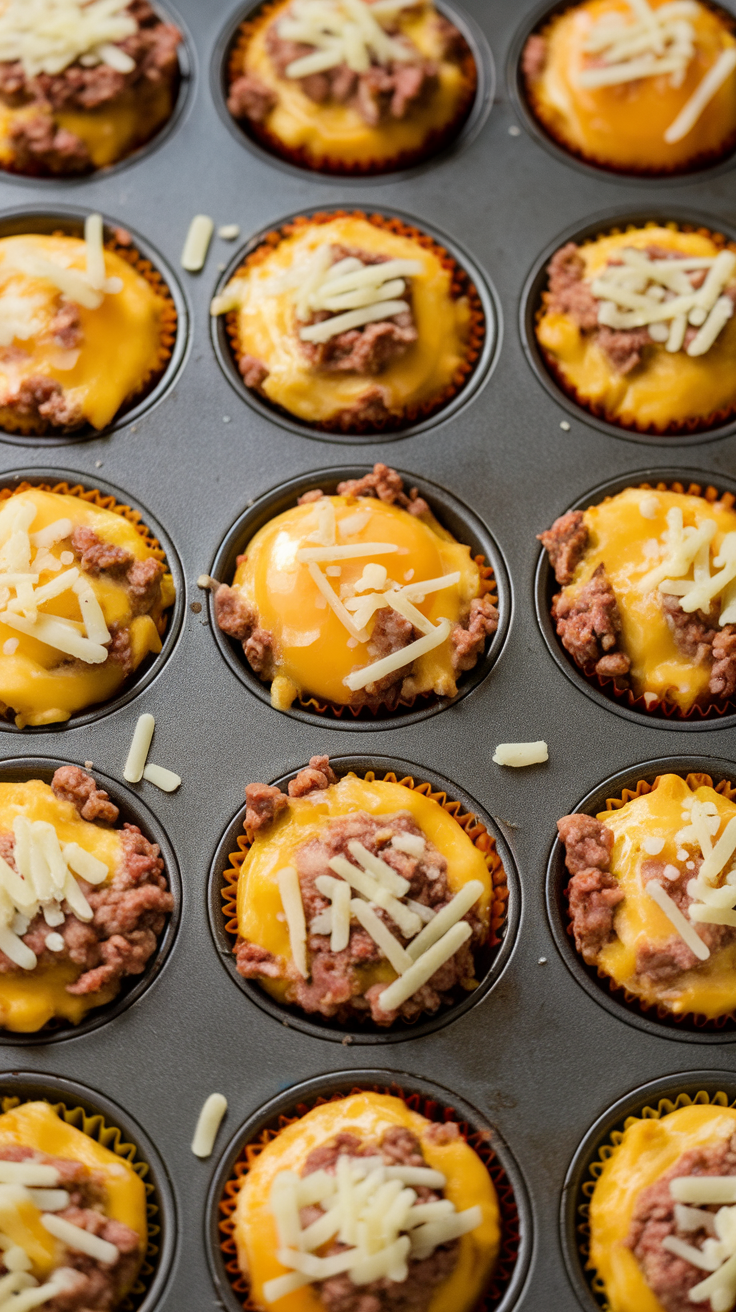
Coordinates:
537 1057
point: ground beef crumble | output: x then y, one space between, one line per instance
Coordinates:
589 625
569 293
702 641
593 891
43 399
565 543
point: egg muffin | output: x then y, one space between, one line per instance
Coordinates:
636 86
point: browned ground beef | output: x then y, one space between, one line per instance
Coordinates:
387 485
568 293
699 638
723 674
593 891
534 56
66 326
623 346
662 962
233 614
589 625
670 1277
263 803
120 649
38 143
253 371
250 98
469 640
368 350
565 543
317 775
95 555
144 584
43 398
72 784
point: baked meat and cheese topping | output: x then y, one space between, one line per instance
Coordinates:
639 86
82 332
363 1203
352 323
638 327
649 595
351 86
356 599
663 1213
82 84
653 895
83 601
81 902
358 899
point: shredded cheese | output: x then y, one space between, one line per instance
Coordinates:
82 1241
343 32
640 292
449 915
139 748
161 778
291 900
381 935
521 754
208 1124
678 920
46 36
197 243
702 95
425 966
398 659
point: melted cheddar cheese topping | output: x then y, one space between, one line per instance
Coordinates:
267 326
710 988
38 682
259 905
666 388
648 1149
36 1125
623 126
367 1115
628 544
120 344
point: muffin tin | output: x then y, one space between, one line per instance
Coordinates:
536 1056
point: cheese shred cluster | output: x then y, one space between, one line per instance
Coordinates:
46 36
717 1255
713 889
654 293
343 32
687 551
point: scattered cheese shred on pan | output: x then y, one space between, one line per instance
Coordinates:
139 748
197 243
519 754
166 780
208 1124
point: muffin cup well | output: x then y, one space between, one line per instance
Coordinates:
604 690
467 280
649 1102
430 1100
708 429
490 962
106 1123
132 811
610 795
452 514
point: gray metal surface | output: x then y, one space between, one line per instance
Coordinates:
539 1056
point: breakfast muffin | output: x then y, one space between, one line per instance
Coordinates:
362 899
82 901
74 1227
637 327
662 1236
361 1200
85 329
82 84
636 86
352 323
84 591
346 633
351 86
648 597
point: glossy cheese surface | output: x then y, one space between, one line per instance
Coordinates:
666 388
120 339
628 545
710 988
259 899
623 126
39 683
337 131
30 999
267 326
649 1148
36 1125
314 651
368 1115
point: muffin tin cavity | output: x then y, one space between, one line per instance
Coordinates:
430 1100
545 587
108 1124
70 223
132 811
491 961
465 527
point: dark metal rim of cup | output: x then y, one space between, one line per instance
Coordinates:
182 105
614 1118
50 218
268 1116
452 514
291 1017
476 380
467 133
30 1086
545 585
558 879
134 811
151 668
535 284
517 95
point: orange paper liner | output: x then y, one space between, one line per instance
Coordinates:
120 244
433 1111
656 1011
110 1137
648 703
461 285
435 141
473 827
688 426
605 1151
